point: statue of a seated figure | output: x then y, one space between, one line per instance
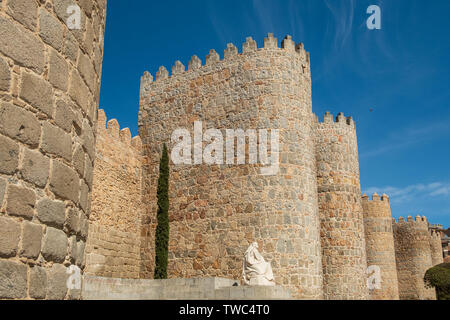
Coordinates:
256 271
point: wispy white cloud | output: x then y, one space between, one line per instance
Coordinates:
337 38
220 28
265 14
407 137
295 19
412 192
387 147
343 13
444 191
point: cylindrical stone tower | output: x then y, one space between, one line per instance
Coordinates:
413 258
340 209
380 246
437 256
50 68
217 210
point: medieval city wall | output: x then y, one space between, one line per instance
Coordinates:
113 246
216 211
380 245
76 190
49 91
437 256
340 209
413 258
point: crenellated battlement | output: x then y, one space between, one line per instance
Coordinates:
375 197
112 128
340 120
437 226
421 220
213 58
435 234
376 206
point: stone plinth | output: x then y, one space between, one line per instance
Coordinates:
98 288
253 293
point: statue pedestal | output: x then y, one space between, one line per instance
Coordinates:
253 293
260 281
98 288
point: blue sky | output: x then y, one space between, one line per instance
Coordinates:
402 72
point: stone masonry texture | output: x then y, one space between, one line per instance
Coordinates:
340 209
309 218
113 247
436 248
47 134
380 245
413 258
234 205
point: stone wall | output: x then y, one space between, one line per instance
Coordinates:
216 211
112 253
115 221
380 245
340 209
49 91
413 258
437 256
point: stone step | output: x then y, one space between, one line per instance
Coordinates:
98 288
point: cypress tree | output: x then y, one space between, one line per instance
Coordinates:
162 229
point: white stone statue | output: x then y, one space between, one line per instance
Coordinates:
255 270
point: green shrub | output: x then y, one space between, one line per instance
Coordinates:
162 229
438 277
